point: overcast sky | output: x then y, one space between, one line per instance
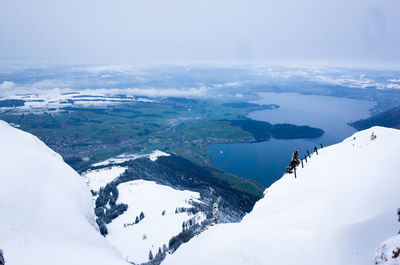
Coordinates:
364 32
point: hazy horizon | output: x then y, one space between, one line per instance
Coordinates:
356 33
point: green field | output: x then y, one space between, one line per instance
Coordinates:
86 135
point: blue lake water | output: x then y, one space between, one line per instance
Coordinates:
266 161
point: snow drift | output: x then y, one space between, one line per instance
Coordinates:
338 210
46 213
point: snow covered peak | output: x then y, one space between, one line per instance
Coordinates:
46 216
338 210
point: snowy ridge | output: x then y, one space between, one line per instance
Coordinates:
46 214
338 210
126 157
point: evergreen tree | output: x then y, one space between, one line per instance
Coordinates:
150 255
2 261
141 216
295 158
398 214
103 229
137 220
293 164
215 211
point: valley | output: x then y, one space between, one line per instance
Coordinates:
165 165
161 143
199 132
184 127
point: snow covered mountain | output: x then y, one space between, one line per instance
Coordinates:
46 212
340 208
160 206
155 213
161 221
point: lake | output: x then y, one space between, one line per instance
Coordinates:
266 161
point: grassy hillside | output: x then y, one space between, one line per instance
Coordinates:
87 135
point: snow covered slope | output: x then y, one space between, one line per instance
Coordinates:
337 211
99 178
160 223
126 157
157 202
46 213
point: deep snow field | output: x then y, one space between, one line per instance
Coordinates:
46 213
341 209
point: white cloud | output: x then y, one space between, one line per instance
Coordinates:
8 88
7 85
49 84
152 92
53 88
227 84
112 68
330 76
